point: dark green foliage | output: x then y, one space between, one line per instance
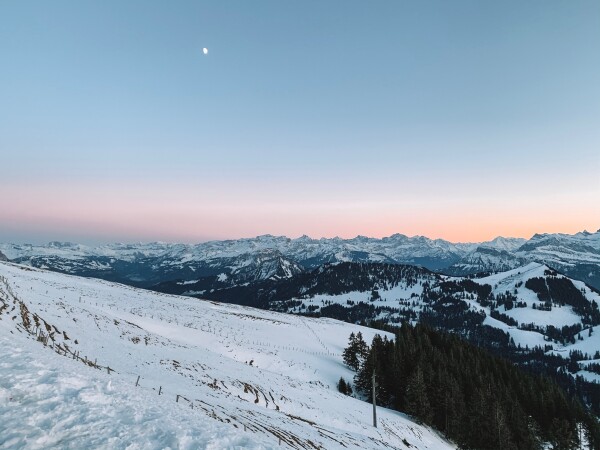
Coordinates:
483 291
344 387
478 400
538 285
417 399
356 351
561 291
330 279
354 314
503 318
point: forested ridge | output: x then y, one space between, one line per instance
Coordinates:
478 400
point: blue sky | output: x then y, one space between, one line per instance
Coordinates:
462 119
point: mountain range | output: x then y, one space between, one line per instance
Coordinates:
219 264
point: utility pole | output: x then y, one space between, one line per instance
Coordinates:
374 397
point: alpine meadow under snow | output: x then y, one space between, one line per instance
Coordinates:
86 363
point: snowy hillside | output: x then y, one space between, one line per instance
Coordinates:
504 244
485 259
576 255
529 308
72 350
48 401
508 301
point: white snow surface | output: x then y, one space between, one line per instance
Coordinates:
47 401
559 316
245 378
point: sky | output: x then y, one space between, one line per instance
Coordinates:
461 120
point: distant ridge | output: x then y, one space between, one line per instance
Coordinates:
262 257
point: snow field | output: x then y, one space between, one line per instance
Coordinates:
269 376
47 401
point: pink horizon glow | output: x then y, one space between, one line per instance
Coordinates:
199 213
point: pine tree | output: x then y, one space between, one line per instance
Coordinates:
350 354
362 349
356 352
362 378
342 386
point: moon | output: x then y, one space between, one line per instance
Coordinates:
205 51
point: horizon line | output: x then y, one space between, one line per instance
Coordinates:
182 242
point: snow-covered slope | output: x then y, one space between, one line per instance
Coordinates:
584 246
48 401
530 311
227 375
486 259
576 255
504 244
505 300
